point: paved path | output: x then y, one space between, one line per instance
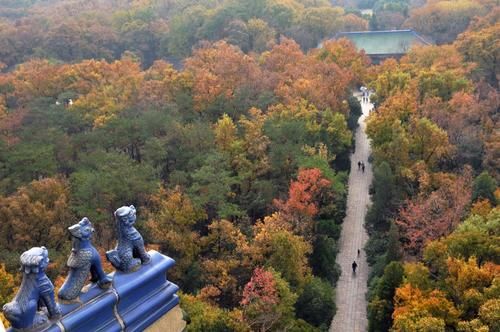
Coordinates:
351 289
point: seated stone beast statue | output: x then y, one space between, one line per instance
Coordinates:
84 258
129 253
36 292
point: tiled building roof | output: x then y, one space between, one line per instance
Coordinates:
384 42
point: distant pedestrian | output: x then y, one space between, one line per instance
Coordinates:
363 167
358 252
359 165
354 266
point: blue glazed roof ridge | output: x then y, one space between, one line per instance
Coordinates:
376 31
422 39
396 42
134 300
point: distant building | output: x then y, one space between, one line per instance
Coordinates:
380 45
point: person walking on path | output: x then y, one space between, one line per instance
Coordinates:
354 266
363 167
359 165
358 252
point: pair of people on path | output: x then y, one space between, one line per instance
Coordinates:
361 165
365 94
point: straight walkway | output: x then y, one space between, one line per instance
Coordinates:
351 289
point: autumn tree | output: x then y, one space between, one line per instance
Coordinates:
276 246
303 197
429 217
45 201
107 88
267 301
6 291
262 36
37 214
442 20
476 237
225 133
416 310
8 285
428 142
219 71
344 53
205 316
468 282
353 22
387 79
171 218
162 86
226 262
478 44
322 22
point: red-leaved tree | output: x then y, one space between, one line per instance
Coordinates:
260 289
430 217
304 195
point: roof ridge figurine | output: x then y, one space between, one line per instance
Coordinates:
26 312
130 253
84 259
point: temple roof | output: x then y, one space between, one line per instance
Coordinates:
384 42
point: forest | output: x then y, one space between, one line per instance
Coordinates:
231 133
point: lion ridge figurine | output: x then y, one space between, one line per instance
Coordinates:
26 311
84 259
130 253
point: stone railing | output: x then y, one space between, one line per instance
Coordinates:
136 297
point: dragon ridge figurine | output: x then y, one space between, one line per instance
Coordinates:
130 253
84 258
27 310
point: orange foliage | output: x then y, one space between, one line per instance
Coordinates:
353 22
344 53
295 76
303 193
162 83
219 70
36 214
481 207
412 306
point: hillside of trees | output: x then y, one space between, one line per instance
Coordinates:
435 222
231 133
73 30
237 165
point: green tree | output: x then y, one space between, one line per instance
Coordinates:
323 259
383 197
106 181
316 303
484 186
212 188
380 307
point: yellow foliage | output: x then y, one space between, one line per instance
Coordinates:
414 307
225 132
481 208
207 317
